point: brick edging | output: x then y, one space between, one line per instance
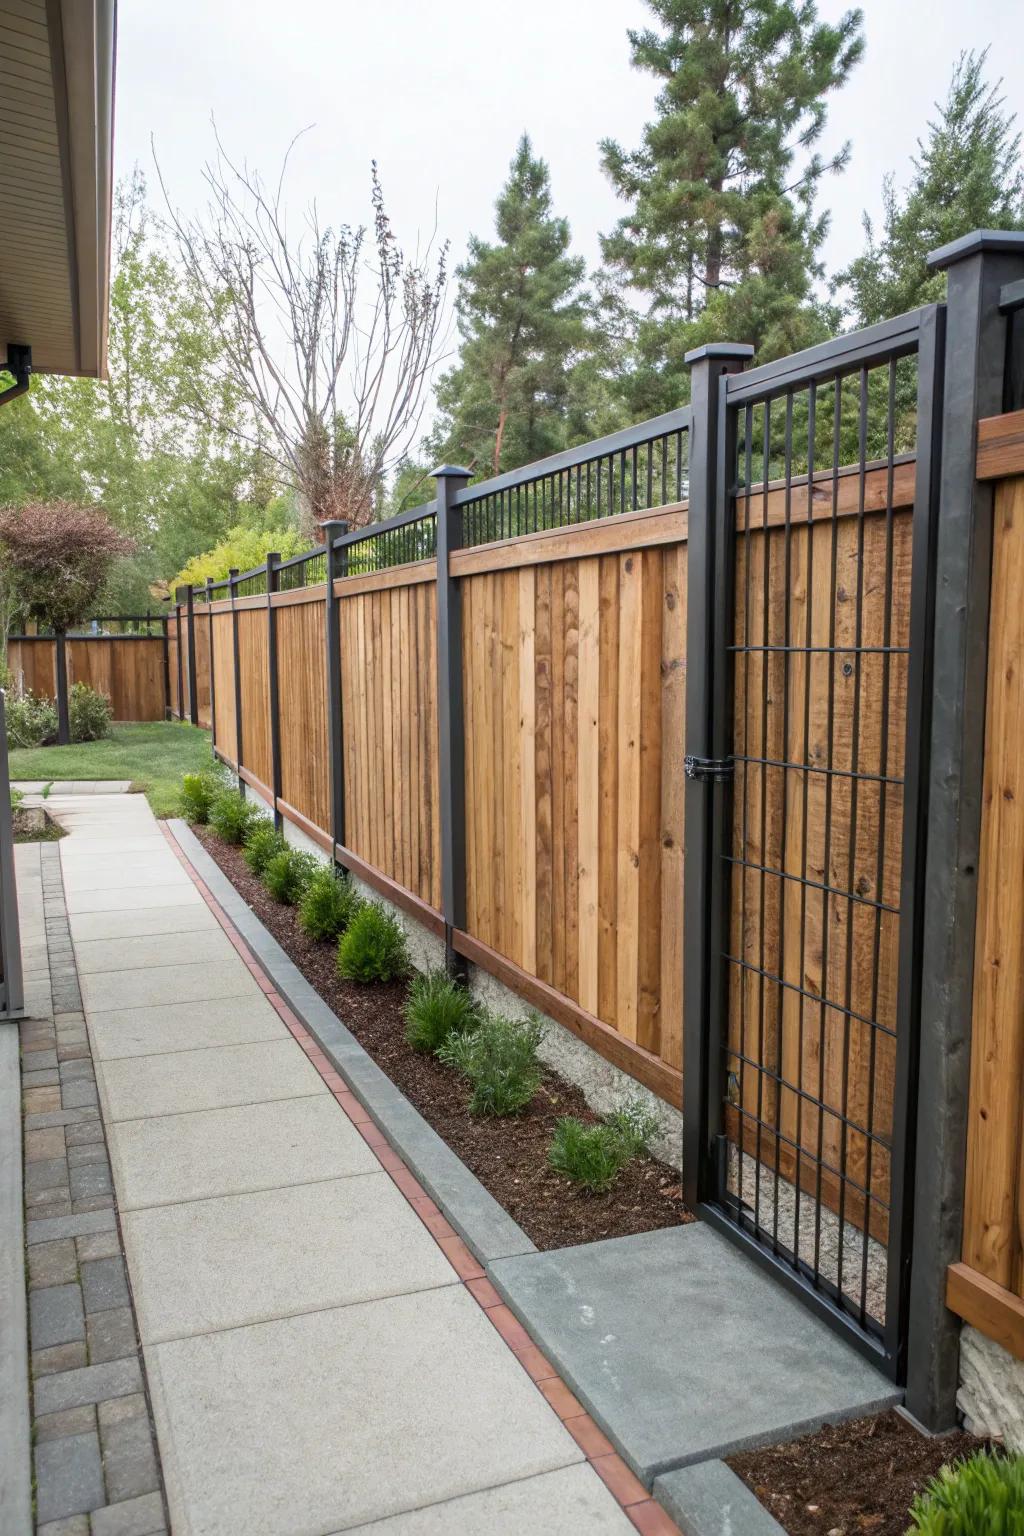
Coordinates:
646 1514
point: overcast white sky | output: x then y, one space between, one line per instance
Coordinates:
439 94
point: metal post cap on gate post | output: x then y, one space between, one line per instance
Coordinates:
450 472
738 351
978 242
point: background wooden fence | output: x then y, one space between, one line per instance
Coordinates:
130 669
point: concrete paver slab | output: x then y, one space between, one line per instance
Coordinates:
341 1417
144 1086
143 951
122 1032
683 1348
94 875
230 1151
159 984
114 900
135 922
247 1258
570 1502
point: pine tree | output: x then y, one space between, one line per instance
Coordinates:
721 235
523 320
967 175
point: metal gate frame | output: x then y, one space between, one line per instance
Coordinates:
719 392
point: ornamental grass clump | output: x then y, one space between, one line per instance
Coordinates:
436 1009
328 905
983 1496
373 947
499 1058
593 1156
198 792
231 816
287 875
262 843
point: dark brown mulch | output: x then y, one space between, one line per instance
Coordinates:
508 1156
849 1479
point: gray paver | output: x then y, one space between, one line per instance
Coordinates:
69 1476
104 1284
55 1316
59 1357
184 983
131 1032
53 1263
89 1180
570 1502
110 1335
231 1151
135 1517
90 1384
367 1381
129 1464
144 1086
710 1500
221 1263
749 1365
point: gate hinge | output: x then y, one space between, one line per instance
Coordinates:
714 770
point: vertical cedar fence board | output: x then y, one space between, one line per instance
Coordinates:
302 692
202 666
389 714
988 1287
128 669
174 661
225 725
253 666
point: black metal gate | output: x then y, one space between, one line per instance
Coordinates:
807 738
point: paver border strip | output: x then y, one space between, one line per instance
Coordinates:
335 1067
15 1413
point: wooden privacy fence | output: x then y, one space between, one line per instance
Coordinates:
129 667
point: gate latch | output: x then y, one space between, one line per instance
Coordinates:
714 770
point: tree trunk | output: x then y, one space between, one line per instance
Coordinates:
61 668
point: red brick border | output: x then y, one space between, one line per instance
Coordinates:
646 1513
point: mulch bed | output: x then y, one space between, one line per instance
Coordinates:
849 1479
508 1156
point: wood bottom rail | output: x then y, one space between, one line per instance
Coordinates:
409 902
994 1311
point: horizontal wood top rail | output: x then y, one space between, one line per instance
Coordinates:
623 1053
601 536
995 1312
771 510
1001 446
408 575
407 900
315 593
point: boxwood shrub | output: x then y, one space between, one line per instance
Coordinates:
328 905
289 872
373 947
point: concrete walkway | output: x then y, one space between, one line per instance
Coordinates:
315 1361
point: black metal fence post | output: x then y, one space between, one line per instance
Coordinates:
975 366
232 583
60 661
273 561
193 696
164 625
213 696
450 722
708 591
337 561
178 650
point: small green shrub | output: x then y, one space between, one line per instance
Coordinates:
593 1156
31 721
499 1058
328 905
288 873
198 792
231 816
983 1496
373 947
263 842
437 1008
89 713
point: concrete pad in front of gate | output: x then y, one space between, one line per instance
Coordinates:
141 951
143 1086
334 1419
570 1502
104 990
232 1151
242 1259
154 1031
683 1348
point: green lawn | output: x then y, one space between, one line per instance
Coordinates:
153 756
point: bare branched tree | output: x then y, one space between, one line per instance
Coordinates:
331 337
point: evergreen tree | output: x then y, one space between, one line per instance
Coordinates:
967 175
722 235
523 320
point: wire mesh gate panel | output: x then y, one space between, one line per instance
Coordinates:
825 537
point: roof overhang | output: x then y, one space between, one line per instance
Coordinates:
56 150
